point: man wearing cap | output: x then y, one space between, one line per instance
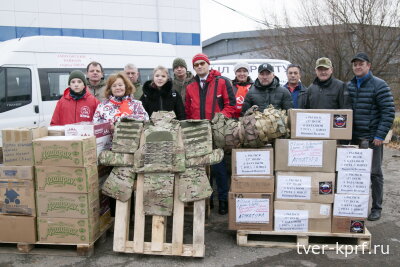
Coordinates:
327 92
241 85
373 115
207 94
133 74
266 90
182 77
295 87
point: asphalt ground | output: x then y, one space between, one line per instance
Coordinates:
221 248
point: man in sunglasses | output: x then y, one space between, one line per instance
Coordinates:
210 93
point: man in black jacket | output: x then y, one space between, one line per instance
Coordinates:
327 92
266 90
373 115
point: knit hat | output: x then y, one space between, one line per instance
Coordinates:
201 56
240 65
77 74
179 62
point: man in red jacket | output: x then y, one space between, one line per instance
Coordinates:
207 94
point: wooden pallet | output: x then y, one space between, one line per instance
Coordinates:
299 240
59 249
158 244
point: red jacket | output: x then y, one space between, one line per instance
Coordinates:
69 110
199 103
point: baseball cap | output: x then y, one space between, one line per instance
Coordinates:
265 66
360 56
323 62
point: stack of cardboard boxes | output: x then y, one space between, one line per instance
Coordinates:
67 189
252 189
17 193
353 167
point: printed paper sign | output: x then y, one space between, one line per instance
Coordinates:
253 162
293 187
353 183
252 210
325 210
354 159
313 125
351 205
305 153
291 220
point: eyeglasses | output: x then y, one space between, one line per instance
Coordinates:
199 64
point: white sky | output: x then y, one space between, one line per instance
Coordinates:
216 19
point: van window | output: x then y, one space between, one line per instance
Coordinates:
53 82
15 88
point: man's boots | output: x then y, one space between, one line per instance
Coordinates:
223 207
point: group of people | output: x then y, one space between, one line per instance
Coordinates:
208 92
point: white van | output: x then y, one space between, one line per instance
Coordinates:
226 67
34 70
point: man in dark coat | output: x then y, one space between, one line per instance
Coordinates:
295 87
373 115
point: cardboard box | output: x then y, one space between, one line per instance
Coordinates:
66 179
252 184
353 183
347 205
16 172
17 197
18 229
317 187
103 143
321 124
253 162
86 128
67 230
354 159
250 211
348 225
75 151
302 217
56 130
105 220
67 205
305 155
17 145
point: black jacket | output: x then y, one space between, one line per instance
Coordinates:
164 99
330 94
263 96
373 108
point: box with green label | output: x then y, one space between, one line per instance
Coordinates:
67 230
66 151
66 179
68 205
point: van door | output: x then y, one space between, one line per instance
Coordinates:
19 106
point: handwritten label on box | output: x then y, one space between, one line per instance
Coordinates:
293 187
291 220
354 159
313 125
351 205
253 162
305 153
353 182
252 210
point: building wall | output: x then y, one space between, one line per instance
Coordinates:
174 22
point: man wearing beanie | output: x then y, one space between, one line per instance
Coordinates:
207 94
266 90
77 104
182 77
241 85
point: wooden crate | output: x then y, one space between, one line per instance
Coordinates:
301 240
56 249
158 245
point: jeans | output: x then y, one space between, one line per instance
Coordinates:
220 175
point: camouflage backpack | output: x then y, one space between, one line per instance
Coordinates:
271 123
218 130
248 129
126 136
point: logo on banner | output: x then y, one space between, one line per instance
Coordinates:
339 121
357 226
325 188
